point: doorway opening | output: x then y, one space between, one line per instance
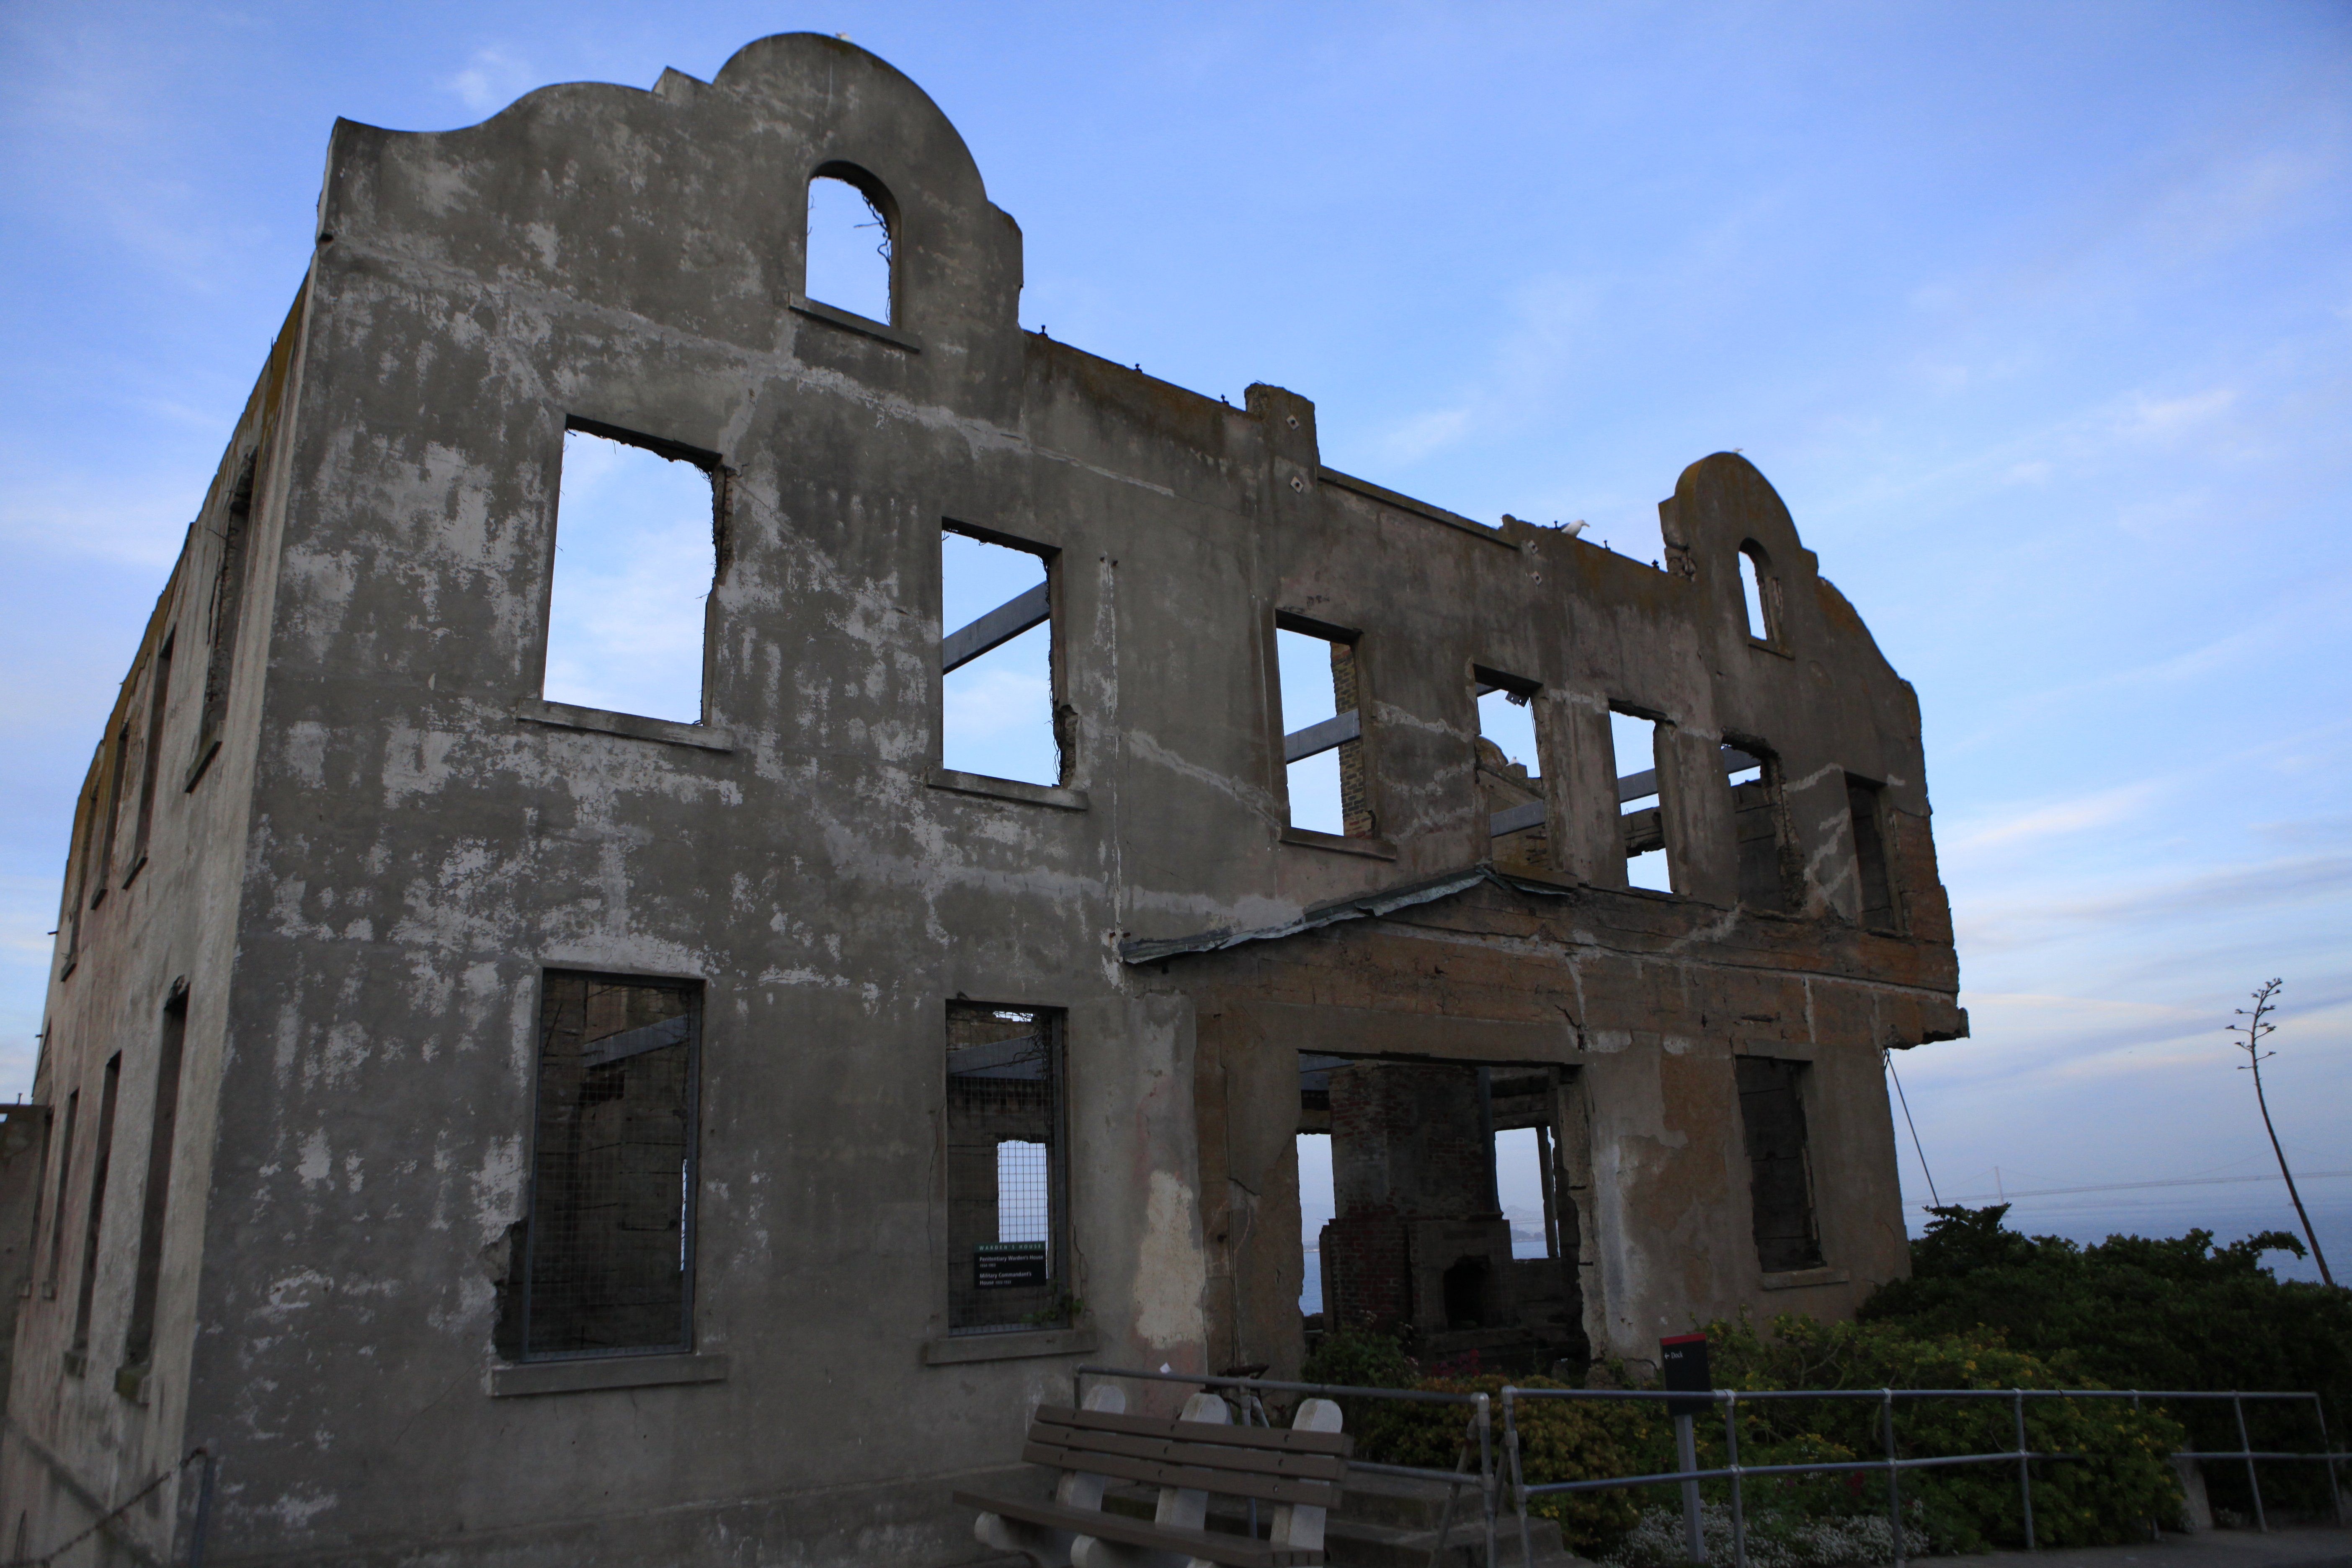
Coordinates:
1437 1205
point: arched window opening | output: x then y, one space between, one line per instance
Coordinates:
849 247
1760 592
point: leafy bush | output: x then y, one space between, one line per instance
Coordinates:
1559 1440
2123 1478
2138 1313
2122 1481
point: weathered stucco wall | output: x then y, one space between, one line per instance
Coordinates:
401 838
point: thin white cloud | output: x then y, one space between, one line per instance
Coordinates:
2144 416
490 81
2101 808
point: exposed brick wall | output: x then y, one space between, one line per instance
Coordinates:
1356 816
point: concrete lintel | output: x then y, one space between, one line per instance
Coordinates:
591 1373
635 726
981 784
953 1350
1328 1029
1799 1279
1780 1050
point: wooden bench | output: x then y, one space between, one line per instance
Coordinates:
1300 1471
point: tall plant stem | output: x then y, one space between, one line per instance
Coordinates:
2256 1029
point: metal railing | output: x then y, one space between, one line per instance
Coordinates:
1893 1465
1479 1436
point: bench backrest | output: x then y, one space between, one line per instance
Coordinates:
1274 1464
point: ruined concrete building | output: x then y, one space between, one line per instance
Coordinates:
494 1128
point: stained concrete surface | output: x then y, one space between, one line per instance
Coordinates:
333 809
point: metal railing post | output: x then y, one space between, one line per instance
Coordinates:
1687 1456
2246 1447
1518 1475
1486 1472
2024 1468
1731 1459
2155 1525
1894 1476
2335 1492
1446 1516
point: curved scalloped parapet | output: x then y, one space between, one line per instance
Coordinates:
686 205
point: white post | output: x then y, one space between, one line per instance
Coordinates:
1298 1524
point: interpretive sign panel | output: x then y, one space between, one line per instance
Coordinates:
1001 1265
1682 1366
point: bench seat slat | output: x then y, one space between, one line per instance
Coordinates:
1339 1443
1236 1551
1254 1461
1164 1473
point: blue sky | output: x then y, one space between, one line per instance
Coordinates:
2039 317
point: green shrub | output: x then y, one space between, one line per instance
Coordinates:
2122 1479
2138 1313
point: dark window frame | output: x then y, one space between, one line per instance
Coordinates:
515 1328
1061 1305
1770 883
1874 866
1776 1173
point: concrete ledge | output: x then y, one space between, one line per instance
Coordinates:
1008 789
603 1372
955 1349
1799 1279
635 726
1402 502
849 321
1308 838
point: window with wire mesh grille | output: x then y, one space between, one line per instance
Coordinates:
1006 1173
606 1255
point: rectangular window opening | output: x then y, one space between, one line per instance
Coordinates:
102 1153
65 1177
1322 722
1779 1170
1008 1265
1865 804
1510 782
640 532
1635 740
1761 825
998 692
227 610
158 695
1315 1209
1521 1156
607 1248
113 809
138 1344
78 888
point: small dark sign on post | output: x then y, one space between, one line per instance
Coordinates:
1681 1365
1004 1265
